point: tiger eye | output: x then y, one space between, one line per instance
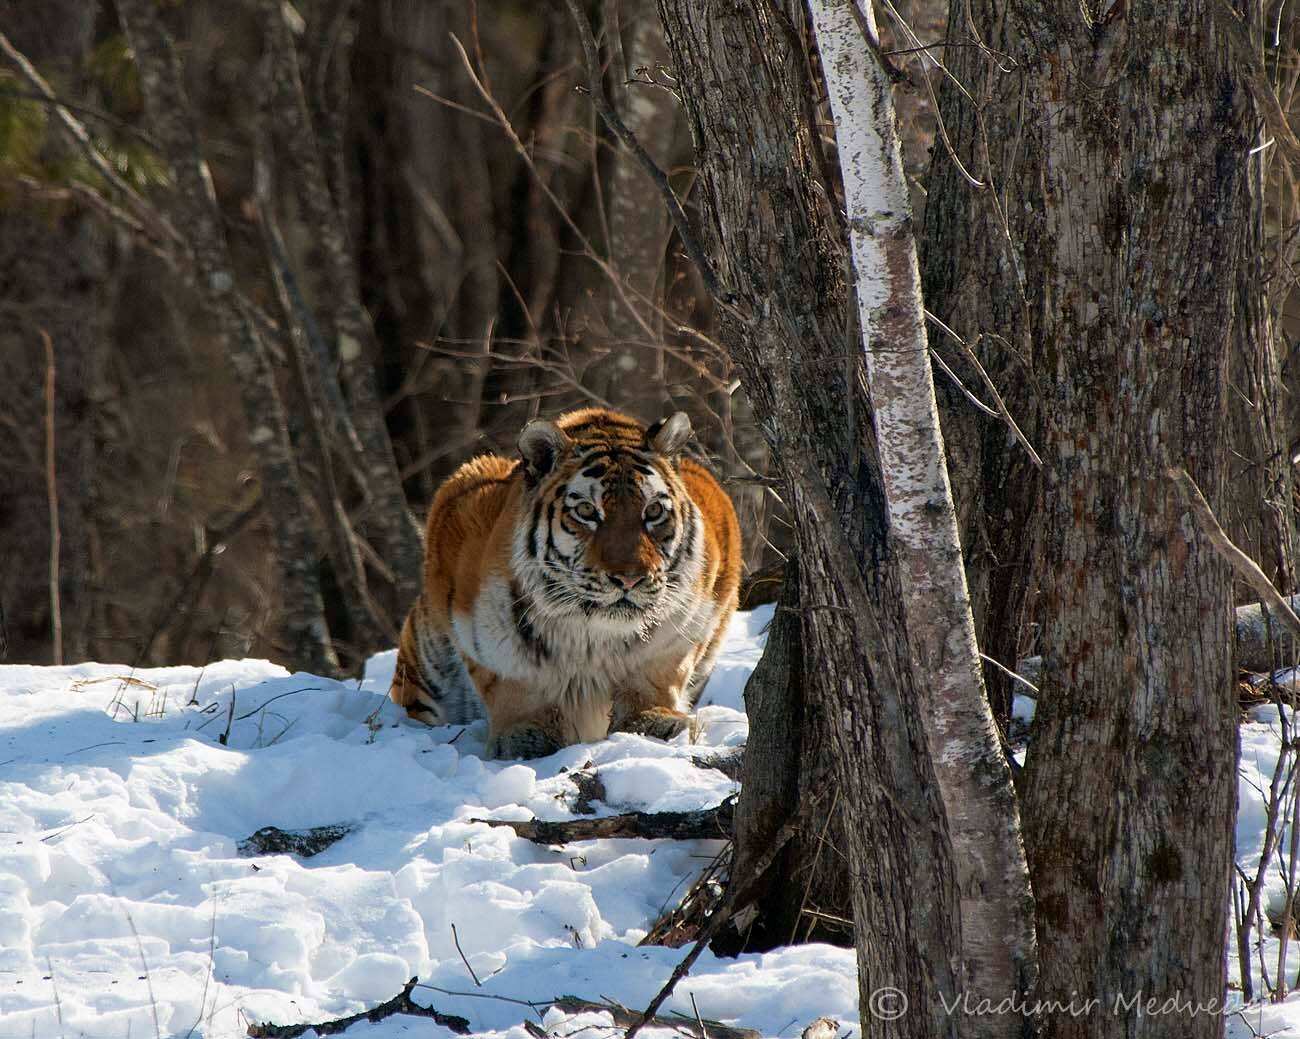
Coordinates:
585 510
653 511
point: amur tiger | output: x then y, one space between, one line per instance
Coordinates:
581 589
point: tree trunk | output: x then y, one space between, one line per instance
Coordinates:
979 274
786 768
786 324
1260 517
998 954
638 233
306 636
1131 777
354 351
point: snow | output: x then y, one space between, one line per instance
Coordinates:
126 910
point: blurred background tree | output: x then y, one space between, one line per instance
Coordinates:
407 287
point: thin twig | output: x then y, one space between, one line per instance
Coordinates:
456 938
1009 673
78 131
58 1003
52 492
1003 410
148 979
611 118
723 913
230 719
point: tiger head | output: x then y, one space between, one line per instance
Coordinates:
608 531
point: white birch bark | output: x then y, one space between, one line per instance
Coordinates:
998 946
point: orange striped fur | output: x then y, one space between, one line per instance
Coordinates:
582 588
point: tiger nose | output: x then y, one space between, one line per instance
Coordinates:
627 581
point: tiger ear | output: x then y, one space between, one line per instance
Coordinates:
669 435
540 445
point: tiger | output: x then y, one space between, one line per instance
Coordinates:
581 589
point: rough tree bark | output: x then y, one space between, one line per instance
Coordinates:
195 207
778 252
998 953
1131 777
786 766
979 274
1260 517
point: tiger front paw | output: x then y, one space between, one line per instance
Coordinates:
659 722
523 741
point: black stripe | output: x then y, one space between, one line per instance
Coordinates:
550 530
687 546
533 642
534 548
607 425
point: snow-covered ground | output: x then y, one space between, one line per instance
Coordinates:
126 909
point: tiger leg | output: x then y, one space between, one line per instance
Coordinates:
518 725
654 706
430 679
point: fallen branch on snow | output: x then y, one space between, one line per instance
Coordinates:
708 823
399 1004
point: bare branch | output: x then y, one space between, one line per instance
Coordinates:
1245 567
611 118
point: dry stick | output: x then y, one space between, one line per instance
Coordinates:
52 490
148 978
721 915
58 1003
1271 108
399 1004
707 824
456 938
611 118
701 1028
1009 673
956 381
1245 566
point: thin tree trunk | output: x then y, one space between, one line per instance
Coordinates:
778 252
998 950
1261 514
979 273
355 350
1130 782
638 224
303 621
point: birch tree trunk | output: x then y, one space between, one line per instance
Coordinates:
778 250
997 928
1130 783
